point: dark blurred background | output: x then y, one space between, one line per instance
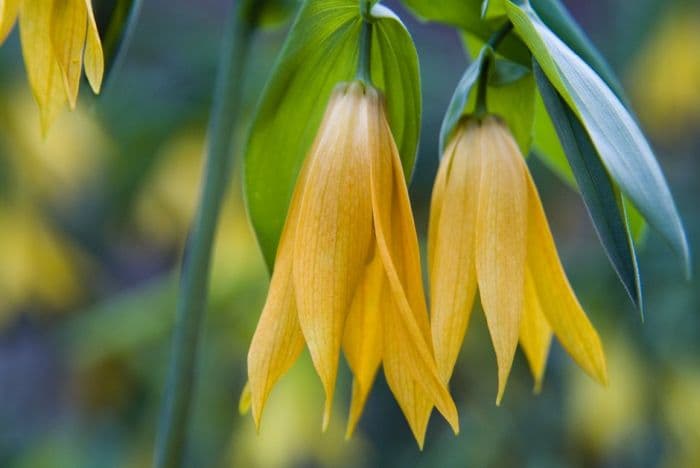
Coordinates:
93 219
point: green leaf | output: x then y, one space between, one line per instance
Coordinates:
615 134
458 103
492 9
547 146
466 15
560 22
321 51
602 200
396 72
510 95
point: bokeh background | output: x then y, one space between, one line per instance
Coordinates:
93 220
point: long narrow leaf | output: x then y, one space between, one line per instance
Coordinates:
624 150
602 200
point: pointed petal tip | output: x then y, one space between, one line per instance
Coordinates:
453 421
420 439
537 388
502 382
327 415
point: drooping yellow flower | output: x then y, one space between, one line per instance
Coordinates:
58 37
347 272
488 229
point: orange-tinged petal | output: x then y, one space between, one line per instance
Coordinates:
362 341
42 68
559 303
535 332
278 340
438 196
501 239
409 364
452 268
68 27
8 15
94 57
332 239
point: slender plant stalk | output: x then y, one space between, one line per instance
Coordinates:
194 279
364 62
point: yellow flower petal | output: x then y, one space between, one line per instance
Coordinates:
438 197
8 15
535 332
68 27
94 57
452 270
362 341
501 239
332 240
278 340
409 364
42 68
559 303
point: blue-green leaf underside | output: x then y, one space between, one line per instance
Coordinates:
558 19
602 200
320 52
622 147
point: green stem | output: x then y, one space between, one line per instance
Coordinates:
364 63
481 106
499 35
194 279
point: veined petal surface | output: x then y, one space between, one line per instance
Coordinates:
535 332
278 339
501 240
332 240
42 68
362 341
94 56
409 363
68 28
559 304
451 239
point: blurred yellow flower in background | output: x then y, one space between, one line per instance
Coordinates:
665 77
488 228
38 264
607 419
41 267
347 272
58 37
681 412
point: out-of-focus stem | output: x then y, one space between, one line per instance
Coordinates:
194 276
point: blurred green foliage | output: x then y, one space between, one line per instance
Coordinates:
93 219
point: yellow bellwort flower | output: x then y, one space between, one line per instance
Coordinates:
488 229
347 272
58 38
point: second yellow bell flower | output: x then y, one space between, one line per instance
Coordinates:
488 230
